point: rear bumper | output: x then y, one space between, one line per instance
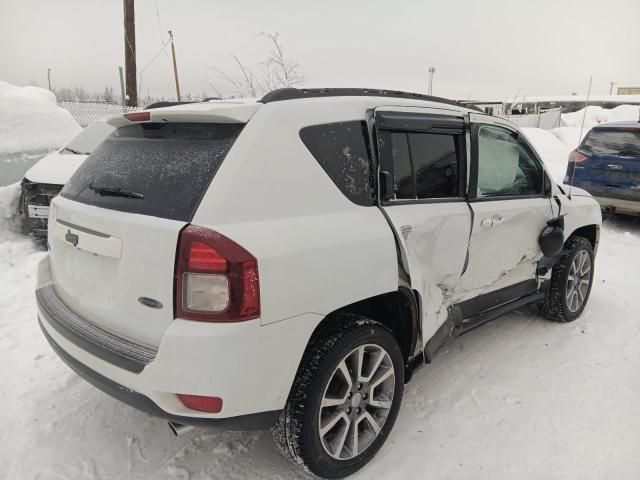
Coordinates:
256 421
251 367
616 205
103 344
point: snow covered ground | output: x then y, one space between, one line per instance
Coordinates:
518 398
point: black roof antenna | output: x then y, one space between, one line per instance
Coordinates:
584 116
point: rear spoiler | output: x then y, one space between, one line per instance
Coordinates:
194 112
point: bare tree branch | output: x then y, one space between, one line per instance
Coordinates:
277 71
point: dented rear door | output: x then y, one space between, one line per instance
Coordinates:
423 151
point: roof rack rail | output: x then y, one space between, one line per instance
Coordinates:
290 93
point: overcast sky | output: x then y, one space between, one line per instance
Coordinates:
481 49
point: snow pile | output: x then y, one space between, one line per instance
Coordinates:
31 124
570 136
554 153
30 120
596 115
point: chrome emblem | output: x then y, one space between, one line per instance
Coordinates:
150 302
72 238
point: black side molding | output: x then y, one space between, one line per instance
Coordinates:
480 304
471 323
470 314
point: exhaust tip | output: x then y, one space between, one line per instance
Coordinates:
178 429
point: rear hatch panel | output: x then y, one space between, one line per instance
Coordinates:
104 261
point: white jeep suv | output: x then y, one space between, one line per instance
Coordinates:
289 262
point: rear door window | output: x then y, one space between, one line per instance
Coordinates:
402 170
425 165
436 165
157 169
602 141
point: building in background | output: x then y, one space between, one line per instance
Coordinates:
628 90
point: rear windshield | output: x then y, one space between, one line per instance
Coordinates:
613 142
158 169
89 139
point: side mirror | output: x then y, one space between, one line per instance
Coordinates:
551 239
386 185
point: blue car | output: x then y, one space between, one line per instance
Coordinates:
607 165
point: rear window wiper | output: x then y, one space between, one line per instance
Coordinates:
115 192
75 152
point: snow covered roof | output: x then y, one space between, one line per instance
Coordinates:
619 99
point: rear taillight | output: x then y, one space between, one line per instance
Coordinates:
577 157
216 279
138 116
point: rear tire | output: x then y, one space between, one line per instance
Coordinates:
339 412
571 281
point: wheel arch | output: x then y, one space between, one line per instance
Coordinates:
397 310
590 232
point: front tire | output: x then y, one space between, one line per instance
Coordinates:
345 399
571 281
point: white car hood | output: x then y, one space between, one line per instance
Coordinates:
578 192
54 168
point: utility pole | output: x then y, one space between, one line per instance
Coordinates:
49 77
611 87
130 53
122 94
432 70
175 66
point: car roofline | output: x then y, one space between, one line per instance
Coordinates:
291 93
240 110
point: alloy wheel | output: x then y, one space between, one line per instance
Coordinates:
356 401
578 281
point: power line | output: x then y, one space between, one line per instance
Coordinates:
162 49
159 26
